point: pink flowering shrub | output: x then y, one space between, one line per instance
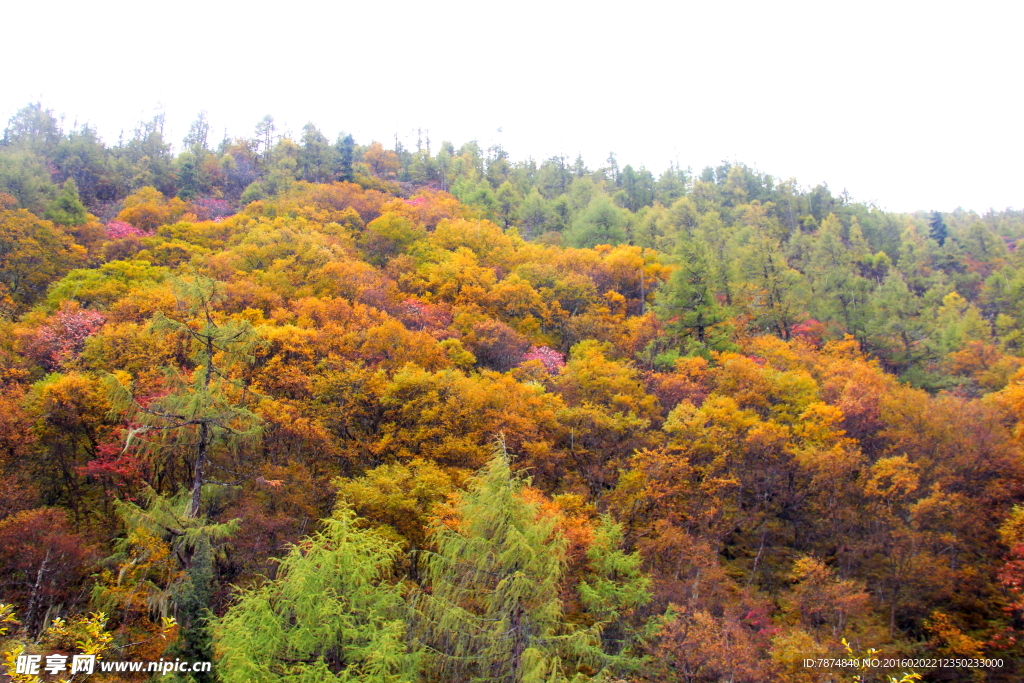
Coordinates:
63 337
552 360
117 230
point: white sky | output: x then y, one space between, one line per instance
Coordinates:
914 105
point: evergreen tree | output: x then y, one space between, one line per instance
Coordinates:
579 167
477 194
423 168
66 208
283 168
600 223
637 188
840 292
937 228
493 611
192 546
190 175
507 200
265 138
445 162
82 156
534 214
671 185
24 176
614 589
328 615
197 139
204 409
775 293
315 157
628 196
498 167
345 153
145 160
687 303
896 330
33 129
613 168
553 178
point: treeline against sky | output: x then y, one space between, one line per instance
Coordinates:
338 412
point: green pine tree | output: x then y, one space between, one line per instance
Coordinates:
687 303
937 229
204 411
192 180
775 293
344 154
195 544
613 590
897 331
535 214
66 208
602 222
840 293
492 610
328 616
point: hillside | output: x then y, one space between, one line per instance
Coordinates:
673 428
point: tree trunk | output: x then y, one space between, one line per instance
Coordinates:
34 599
518 642
197 473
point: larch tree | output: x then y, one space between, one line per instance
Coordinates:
204 408
66 208
328 616
491 611
688 302
181 583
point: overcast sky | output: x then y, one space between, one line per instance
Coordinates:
913 105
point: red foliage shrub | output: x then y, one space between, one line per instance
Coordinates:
115 467
63 337
417 315
553 361
810 331
117 230
43 564
497 346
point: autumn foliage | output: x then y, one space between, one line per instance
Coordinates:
732 436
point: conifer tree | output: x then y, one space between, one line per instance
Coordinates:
190 182
205 407
937 228
493 607
493 611
182 585
67 208
688 303
327 616
345 154
614 589
840 291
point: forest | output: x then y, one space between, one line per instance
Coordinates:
326 411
